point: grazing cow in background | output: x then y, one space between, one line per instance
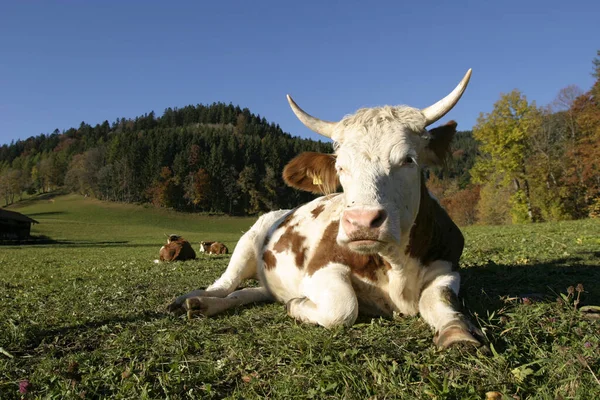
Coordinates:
213 248
176 249
382 247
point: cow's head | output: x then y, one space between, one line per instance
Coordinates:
173 238
378 161
205 246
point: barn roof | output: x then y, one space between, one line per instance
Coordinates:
15 216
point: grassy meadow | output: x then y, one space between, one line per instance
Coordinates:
83 316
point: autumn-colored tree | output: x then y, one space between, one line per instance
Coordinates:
436 186
588 144
164 191
462 205
504 135
194 156
582 155
197 187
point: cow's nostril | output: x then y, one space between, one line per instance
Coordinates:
379 219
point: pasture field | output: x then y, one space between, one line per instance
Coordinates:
83 316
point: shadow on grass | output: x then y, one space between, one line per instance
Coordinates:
45 213
486 287
38 336
46 242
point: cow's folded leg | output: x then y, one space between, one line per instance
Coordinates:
330 301
209 306
439 306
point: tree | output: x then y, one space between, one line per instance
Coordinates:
504 135
82 175
461 205
240 125
51 169
587 147
197 187
247 182
165 190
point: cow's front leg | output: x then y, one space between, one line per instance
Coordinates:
209 306
329 298
242 265
439 306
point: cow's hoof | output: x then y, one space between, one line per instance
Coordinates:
179 305
195 307
456 333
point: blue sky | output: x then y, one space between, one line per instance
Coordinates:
70 61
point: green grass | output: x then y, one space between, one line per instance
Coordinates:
85 317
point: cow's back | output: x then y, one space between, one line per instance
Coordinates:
218 248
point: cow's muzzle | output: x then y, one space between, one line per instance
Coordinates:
363 225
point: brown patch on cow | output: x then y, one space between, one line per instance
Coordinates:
177 249
312 172
218 248
434 236
293 241
317 210
269 260
369 268
439 142
328 250
214 248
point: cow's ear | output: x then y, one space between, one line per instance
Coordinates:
312 172
437 150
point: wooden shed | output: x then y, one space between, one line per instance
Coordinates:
14 225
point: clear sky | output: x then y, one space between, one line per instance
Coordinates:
64 62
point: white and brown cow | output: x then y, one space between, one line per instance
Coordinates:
383 247
176 249
213 248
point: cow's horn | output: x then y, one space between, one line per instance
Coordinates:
439 109
324 128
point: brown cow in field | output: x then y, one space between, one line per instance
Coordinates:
176 249
382 247
213 248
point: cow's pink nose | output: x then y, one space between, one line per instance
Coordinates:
361 220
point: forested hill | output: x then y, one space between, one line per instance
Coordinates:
216 158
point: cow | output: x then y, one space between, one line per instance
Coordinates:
213 248
383 246
176 249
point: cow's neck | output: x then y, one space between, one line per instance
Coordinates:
417 243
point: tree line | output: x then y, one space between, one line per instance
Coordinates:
533 163
521 163
216 158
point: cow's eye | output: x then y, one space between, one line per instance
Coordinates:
408 160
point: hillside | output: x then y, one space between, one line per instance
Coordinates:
217 158
76 221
